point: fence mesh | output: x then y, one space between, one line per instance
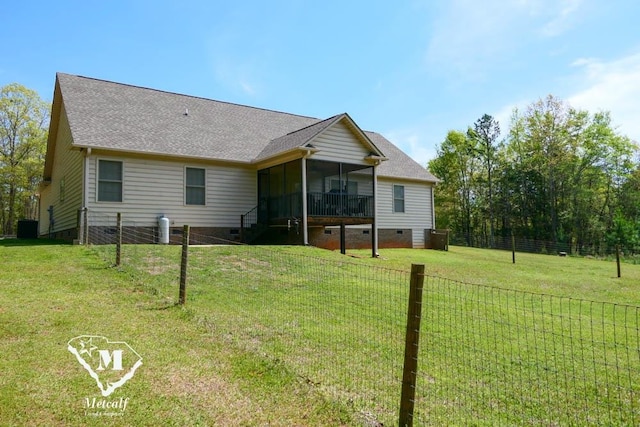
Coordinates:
488 356
504 357
630 252
338 325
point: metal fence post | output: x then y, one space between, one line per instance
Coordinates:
409 375
118 239
182 299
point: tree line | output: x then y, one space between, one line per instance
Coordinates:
24 122
558 175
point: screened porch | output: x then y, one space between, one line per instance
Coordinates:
336 193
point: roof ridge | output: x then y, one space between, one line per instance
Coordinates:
188 96
311 125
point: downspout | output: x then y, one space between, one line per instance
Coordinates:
85 195
305 231
374 227
85 183
433 208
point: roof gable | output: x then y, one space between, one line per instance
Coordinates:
304 137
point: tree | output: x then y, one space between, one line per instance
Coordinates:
457 167
562 177
485 133
23 135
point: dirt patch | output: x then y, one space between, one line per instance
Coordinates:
156 266
233 262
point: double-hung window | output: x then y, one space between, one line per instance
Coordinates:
398 198
109 181
195 186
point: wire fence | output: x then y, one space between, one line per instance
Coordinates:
487 356
602 249
518 358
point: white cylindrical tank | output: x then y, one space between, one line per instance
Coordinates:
163 230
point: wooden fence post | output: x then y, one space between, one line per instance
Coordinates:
182 299
409 375
118 239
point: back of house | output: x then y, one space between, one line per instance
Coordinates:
231 172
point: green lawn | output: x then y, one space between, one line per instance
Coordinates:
575 277
270 336
52 293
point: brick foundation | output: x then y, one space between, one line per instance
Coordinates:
358 238
67 235
149 235
327 238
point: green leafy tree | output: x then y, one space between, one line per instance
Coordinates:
485 134
562 176
457 166
23 135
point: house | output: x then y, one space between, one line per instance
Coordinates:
229 171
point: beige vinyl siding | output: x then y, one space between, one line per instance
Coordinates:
152 188
67 166
417 213
339 144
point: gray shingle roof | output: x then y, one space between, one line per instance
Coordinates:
128 118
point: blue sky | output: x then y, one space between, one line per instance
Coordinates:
409 69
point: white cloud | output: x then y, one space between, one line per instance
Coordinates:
414 142
247 88
503 116
611 86
469 35
563 19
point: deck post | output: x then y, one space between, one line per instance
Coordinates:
86 225
242 229
374 229
305 208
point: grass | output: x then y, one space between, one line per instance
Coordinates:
575 277
298 336
52 293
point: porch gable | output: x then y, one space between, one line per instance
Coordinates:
337 139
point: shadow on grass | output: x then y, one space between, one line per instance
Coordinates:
12 241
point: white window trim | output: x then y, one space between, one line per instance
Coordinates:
184 186
98 159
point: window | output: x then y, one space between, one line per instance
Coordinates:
109 181
195 187
398 198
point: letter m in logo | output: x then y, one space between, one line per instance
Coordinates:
106 358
